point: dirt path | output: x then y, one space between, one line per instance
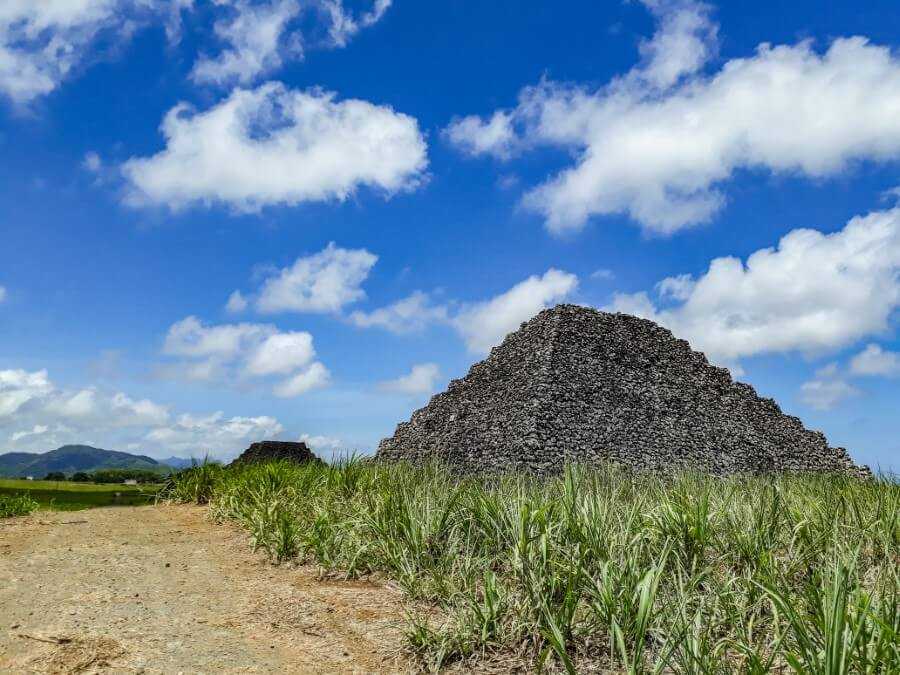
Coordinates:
163 590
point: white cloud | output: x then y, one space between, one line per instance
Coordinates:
873 360
189 337
280 354
254 36
236 304
19 387
658 143
815 292
43 42
259 37
684 41
481 324
323 282
344 25
273 145
410 314
36 415
315 376
2 293
92 162
827 389
321 443
485 324
36 430
420 380
603 274
474 137
212 434
238 352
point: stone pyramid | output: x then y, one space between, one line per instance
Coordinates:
267 451
577 385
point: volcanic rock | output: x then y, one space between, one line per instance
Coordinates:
267 451
578 385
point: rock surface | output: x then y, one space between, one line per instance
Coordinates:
266 451
578 385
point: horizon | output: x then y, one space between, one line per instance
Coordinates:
267 220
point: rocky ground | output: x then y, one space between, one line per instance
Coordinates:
164 590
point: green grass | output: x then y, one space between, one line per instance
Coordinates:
66 496
597 569
16 505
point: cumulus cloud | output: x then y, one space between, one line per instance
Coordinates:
827 389
660 142
280 354
253 36
482 324
496 136
420 380
344 25
214 434
36 430
315 376
874 360
43 43
258 37
277 146
242 352
236 304
814 292
485 324
321 443
323 282
36 414
410 314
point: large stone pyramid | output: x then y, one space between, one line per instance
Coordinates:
578 385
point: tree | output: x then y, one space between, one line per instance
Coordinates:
80 477
55 475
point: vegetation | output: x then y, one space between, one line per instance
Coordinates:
70 496
16 505
596 569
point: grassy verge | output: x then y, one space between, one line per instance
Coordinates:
66 496
597 569
16 505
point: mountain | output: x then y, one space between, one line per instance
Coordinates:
180 462
72 458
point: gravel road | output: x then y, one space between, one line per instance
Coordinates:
161 589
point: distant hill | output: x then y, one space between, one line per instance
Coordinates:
179 462
72 458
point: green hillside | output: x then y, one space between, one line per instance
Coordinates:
71 458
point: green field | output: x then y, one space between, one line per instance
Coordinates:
65 496
597 570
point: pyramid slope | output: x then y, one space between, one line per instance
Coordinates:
577 385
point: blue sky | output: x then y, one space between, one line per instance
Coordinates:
383 190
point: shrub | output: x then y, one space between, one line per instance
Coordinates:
599 568
16 505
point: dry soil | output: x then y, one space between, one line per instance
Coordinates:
162 589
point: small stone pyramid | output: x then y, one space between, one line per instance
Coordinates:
267 451
574 384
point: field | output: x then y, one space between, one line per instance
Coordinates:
596 570
66 496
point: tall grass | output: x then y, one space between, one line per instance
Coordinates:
599 568
16 505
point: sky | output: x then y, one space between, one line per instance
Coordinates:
222 221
